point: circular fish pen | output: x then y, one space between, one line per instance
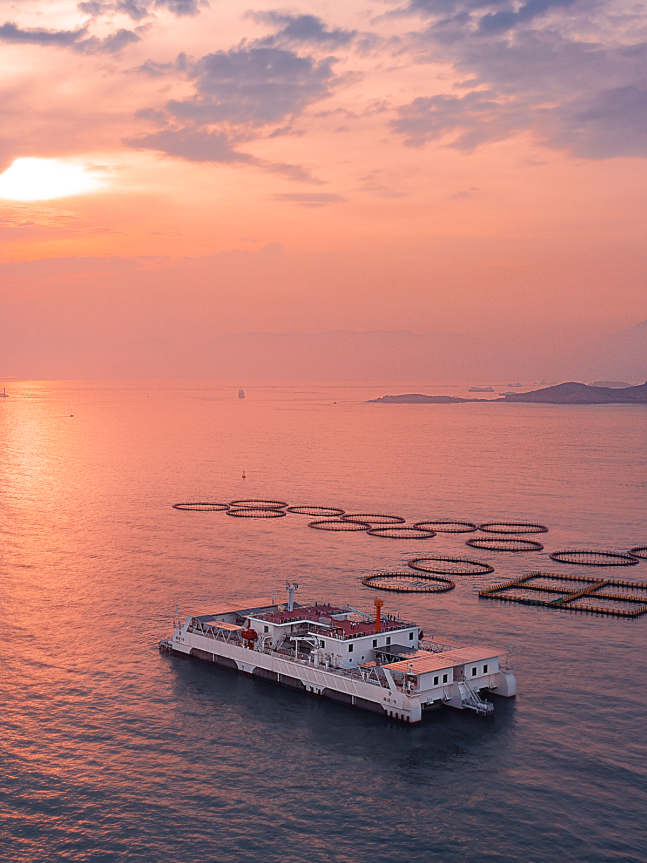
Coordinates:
202 506
407 582
639 551
450 565
589 557
337 524
322 511
502 543
513 527
250 512
447 525
399 532
374 518
252 503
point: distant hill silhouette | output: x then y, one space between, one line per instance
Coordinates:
570 393
573 393
420 399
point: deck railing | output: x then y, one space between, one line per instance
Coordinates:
228 637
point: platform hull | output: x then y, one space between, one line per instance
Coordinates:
327 683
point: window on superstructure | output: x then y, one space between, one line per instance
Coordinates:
411 636
485 669
350 648
375 642
266 629
444 678
388 640
435 681
474 672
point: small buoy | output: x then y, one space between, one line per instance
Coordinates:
71 415
243 474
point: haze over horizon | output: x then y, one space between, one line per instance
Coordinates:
177 172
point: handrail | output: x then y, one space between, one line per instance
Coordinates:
231 638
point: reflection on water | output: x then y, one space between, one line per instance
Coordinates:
112 751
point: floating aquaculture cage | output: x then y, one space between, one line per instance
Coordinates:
407 582
574 593
502 543
249 512
322 511
202 506
588 557
400 532
451 565
374 518
338 524
513 527
252 503
639 551
447 525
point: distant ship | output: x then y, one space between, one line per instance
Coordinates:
480 390
241 393
3 394
514 385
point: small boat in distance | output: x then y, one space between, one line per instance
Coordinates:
241 393
3 394
480 390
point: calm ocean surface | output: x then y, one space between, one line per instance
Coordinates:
111 751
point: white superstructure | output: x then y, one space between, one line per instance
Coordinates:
377 662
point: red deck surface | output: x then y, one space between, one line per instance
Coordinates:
322 614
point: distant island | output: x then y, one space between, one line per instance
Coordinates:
573 393
420 399
570 393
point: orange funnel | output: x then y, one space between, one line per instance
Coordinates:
378 603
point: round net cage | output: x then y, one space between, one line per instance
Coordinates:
337 524
588 557
249 512
447 525
450 565
501 543
400 532
322 511
374 518
407 582
252 503
514 527
639 551
202 506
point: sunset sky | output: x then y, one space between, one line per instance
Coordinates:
433 165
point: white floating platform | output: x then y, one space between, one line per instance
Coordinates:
375 662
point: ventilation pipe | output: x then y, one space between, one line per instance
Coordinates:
291 588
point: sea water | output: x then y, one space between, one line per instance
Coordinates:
113 751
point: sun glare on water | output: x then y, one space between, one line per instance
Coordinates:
32 179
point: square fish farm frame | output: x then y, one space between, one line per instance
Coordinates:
574 593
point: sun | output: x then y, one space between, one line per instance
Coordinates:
32 179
